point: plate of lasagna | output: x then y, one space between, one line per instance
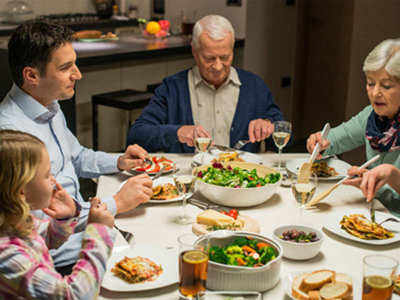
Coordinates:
327 169
356 226
143 267
164 191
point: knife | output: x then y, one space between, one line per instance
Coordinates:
372 210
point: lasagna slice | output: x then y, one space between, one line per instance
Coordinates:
136 269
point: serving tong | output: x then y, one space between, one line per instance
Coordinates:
305 170
204 205
326 193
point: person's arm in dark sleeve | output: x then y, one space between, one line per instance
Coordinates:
151 130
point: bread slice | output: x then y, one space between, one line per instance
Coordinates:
316 280
342 277
314 295
334 290
296 291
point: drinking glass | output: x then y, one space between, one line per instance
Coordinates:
185 186
193 261
281 136
303 192
202 143
378 277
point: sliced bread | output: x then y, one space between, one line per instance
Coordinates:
316 280
314 295
342 277
334 290
296 291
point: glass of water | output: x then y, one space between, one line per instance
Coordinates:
281 136
185 185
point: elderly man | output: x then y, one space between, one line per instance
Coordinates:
213 97
42 64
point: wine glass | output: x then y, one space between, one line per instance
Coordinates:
185 186
202 143
281 136
303 192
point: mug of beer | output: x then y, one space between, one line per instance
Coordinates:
193 261
378 277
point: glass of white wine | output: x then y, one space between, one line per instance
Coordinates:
202 143
185 185
281 136
303 192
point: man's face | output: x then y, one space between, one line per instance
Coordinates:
214 58
61 75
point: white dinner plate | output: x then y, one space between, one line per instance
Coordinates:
160 181
289 278
333 225
206 158
168 259
340 166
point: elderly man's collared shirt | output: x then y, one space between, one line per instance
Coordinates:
212 108
69 160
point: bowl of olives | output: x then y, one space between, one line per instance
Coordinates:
299 242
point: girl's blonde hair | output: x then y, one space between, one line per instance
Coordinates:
20 156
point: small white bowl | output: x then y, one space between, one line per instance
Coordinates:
298 251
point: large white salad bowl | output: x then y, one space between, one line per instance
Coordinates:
238 197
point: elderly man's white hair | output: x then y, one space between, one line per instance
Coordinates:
217 27
385 55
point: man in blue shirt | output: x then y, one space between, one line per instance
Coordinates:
42 65
212 99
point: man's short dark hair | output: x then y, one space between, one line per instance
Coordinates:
32 44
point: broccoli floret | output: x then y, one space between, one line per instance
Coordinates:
218 255
240 241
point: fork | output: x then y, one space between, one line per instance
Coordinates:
240 144
128 236
389 220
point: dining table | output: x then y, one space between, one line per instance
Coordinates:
153 224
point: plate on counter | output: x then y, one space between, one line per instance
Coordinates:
340 167
207 157
333 225
166 258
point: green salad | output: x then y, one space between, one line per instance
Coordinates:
245 252
235 177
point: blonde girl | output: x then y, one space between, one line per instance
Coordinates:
26 267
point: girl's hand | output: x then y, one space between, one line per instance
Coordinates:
312 141
99 213
61 204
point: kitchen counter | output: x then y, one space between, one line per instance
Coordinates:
133 47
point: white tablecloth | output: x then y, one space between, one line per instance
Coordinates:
153 224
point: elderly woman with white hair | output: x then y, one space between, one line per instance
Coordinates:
377 126
212 98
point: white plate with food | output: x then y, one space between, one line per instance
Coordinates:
224 156
154 165
164 191
334 225
153 257
327 169
295 289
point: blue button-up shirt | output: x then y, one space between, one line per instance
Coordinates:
69 159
